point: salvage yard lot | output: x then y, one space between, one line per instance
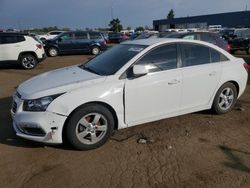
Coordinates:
194 150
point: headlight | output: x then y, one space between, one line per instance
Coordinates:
40 104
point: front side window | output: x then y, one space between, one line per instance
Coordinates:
190 37
109 62
66 36
161 58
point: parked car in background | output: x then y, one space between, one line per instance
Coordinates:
50 35
210 37
227 34
24 49
133 83
105 36
76 42
147 35
115 37
240 40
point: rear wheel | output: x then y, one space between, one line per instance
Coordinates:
89 127
28 61
95 50
53 52
225 98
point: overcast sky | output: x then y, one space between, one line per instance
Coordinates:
97 13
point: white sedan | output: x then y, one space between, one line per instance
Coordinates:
50 35
132 83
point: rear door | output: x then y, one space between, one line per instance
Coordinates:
82 41
201 75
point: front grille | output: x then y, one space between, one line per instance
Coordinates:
14 107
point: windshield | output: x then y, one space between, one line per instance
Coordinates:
109 62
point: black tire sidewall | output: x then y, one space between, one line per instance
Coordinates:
77 115
28 55
216 107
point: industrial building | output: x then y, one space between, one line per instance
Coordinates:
231 19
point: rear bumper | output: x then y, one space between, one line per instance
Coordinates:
44 56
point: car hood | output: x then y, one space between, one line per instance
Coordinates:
57 81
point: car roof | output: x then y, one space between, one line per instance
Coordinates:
149 42
158 41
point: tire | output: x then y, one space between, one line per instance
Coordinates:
95 50
53 52
225 98
28 61
89 127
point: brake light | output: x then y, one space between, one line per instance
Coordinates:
229 47
246 66
39 46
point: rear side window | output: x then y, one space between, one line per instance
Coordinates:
11 39
81 36
217 56
161 58
208 38
193 54
95 36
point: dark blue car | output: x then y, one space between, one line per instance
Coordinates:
76 42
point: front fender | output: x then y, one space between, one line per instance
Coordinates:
110 93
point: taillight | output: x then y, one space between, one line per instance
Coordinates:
39 46
229 47
246 66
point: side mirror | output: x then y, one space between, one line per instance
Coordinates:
140 70
59 39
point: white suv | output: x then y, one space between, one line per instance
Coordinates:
25 49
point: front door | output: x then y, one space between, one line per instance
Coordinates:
153 96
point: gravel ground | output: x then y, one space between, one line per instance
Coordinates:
195 150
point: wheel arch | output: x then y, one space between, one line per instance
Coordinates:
109 107
26 52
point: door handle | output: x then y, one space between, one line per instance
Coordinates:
175 81
212 73
17 45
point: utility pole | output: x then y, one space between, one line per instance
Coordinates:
112 13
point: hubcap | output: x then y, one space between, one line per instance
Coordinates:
95 51
91 128
53 52
29 62
226 98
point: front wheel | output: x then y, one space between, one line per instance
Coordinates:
225 98
89 127
53 52
95 50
